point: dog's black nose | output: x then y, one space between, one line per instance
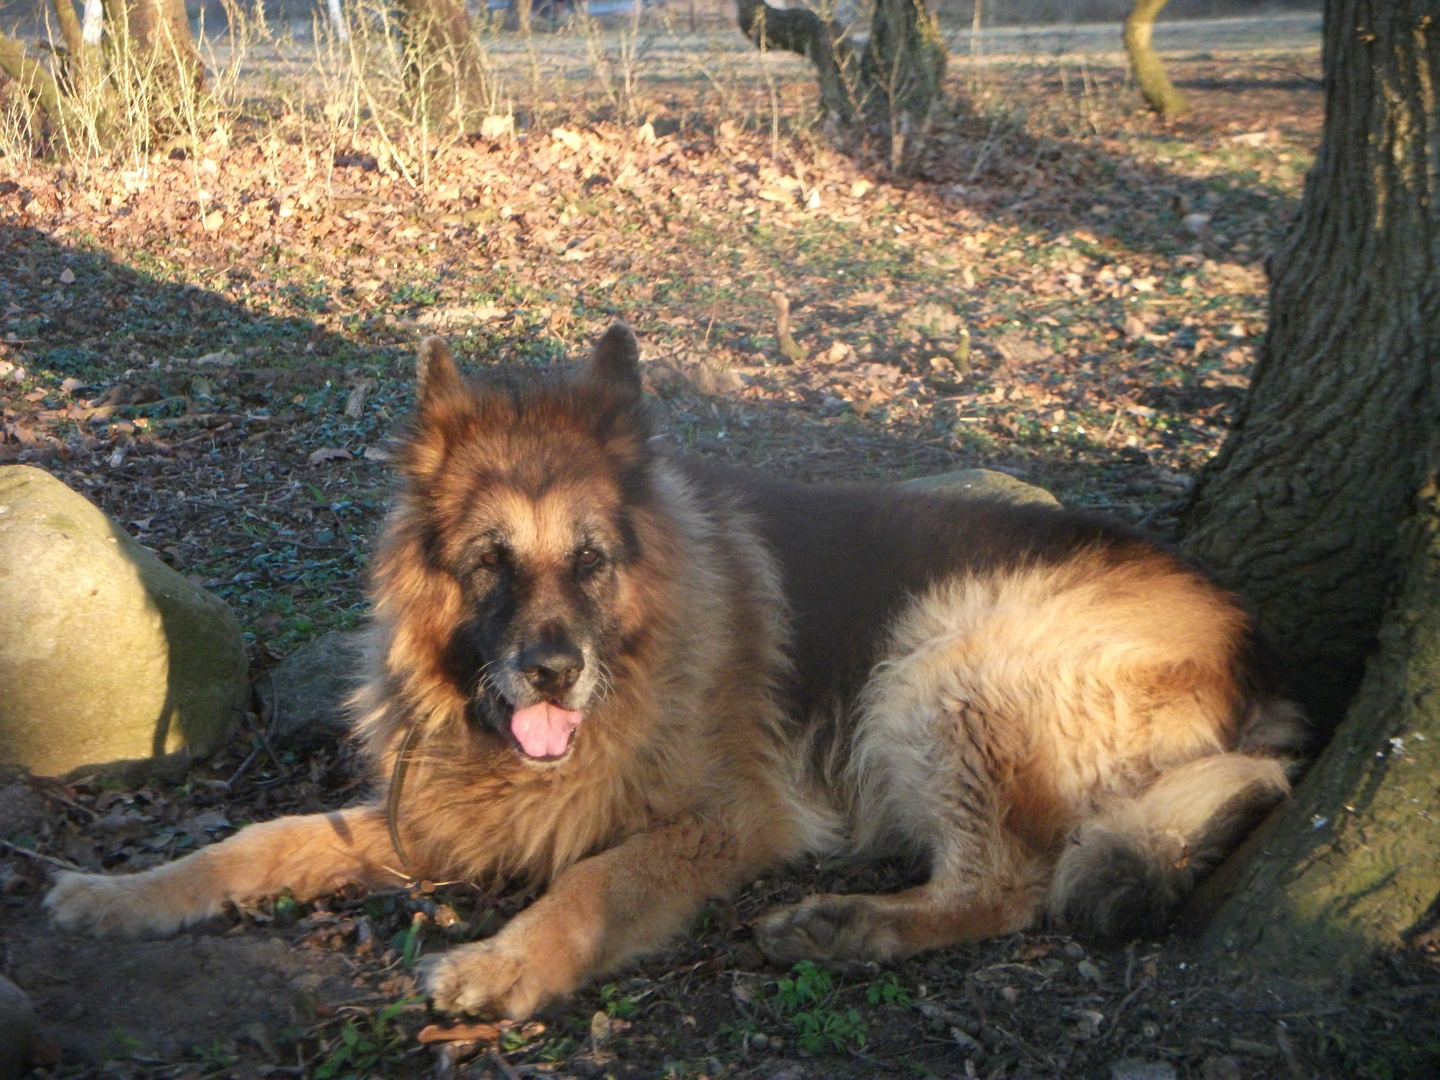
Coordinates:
551 667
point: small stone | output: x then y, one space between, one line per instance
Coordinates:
759 1041
599 1030
1130 1069
984 484
497 127
1074 950
17 1030
1221 1067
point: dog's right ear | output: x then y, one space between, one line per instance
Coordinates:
616 361
436 375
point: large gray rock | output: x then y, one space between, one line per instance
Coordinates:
306 692
17 1031
106 654
985 483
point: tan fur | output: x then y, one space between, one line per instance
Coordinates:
1022 721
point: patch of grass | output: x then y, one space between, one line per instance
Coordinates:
1404 1056
408 942
218 1053
736 1034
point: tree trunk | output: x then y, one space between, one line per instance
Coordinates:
904 61
822 41
898 78
69 26
445 58
1300 511
1154 84
34 78
160 42
521 10
1310 510
1352 864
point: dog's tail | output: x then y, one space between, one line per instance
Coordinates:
1126 872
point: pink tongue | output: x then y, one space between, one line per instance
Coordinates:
544 730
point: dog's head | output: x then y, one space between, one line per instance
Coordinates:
524 507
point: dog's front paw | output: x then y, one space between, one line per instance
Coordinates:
825 928
482 978
112 907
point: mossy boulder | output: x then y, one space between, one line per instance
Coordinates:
307 692
107 656
984 484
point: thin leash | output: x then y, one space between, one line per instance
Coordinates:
392 800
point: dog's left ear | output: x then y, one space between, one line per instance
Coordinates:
615 363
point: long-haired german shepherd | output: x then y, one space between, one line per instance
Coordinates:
644 681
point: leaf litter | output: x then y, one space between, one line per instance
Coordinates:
216 348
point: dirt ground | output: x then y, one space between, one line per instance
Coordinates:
226 393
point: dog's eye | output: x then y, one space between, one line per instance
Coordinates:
492 559
588 558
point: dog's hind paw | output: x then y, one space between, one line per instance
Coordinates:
112 907
483 978
825 928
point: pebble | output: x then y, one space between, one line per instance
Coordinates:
1221 1067
1130 1069
17 1030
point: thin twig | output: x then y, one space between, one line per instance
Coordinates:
64 864
52 791
260 735
241 770
506 1069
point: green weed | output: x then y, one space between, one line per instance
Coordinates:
807 1001
737 1033
367 1044
617 1006
808 986
888 992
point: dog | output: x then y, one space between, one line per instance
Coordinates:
642 681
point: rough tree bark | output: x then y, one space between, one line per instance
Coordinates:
34 79
445 54
149 44
894 82
158 33
1352 864
1150 74
1320 507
